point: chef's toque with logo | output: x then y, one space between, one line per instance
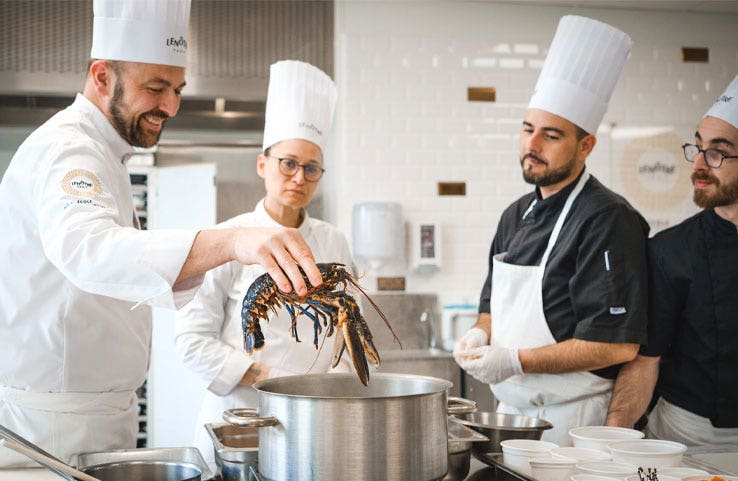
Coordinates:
300 104
726 106
147 31
581 69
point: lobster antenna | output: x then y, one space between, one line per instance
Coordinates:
376 308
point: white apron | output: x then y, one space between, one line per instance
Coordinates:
565 400
668 421
65 423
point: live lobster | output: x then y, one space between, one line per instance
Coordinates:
326 305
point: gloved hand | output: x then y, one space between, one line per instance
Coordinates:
474 337
490 364
277 372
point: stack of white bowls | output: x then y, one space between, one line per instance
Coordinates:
592 477
607 468
684 472
552 469
648 453
580 454
517 453
599 437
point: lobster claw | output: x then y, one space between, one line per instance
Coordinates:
351 336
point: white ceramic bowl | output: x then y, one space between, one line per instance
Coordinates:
607 468
684 472
598 437
517 453
648 453
552 469
580 454
662 477
592 477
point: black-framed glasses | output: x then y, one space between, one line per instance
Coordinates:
713 157
289 167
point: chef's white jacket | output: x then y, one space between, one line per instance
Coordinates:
72 347
209 337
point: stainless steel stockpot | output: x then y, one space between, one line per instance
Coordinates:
331 427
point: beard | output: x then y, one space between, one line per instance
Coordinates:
725 194
549 176
129 126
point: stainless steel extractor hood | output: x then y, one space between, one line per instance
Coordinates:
45 45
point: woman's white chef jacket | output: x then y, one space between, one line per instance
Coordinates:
72 347
210 339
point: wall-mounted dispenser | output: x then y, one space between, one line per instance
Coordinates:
425 246
378 236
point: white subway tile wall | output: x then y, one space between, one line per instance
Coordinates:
404 123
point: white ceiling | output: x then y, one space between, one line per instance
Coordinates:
700 6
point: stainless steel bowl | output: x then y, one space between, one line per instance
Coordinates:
145 471
499 427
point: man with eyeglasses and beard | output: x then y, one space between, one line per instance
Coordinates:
78 275
564 302
690 365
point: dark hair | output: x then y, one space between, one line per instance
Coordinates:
581 133
117 65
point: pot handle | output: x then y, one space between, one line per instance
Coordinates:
459 405
248 417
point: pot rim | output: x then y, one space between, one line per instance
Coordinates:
442 385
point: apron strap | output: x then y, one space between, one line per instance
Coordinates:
562 217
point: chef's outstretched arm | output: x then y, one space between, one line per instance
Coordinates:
633 391
279 250
575 355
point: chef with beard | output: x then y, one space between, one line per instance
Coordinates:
564 302
692 353
78 275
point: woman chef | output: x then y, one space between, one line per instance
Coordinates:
209 340
74 342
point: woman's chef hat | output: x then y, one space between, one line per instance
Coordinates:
581 69
300 104
147 31
726 106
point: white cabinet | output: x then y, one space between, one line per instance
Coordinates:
175 197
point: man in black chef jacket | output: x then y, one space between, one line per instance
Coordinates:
565 298
693 308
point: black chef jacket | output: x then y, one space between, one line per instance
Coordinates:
693 316
582 299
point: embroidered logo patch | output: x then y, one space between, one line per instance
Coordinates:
81 183
617 310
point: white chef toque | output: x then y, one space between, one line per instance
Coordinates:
581 69
726 106
300 104
147 31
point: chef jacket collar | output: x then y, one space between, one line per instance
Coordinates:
551 205
121 149
265 219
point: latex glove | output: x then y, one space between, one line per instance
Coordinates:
277 372
473 338
490 364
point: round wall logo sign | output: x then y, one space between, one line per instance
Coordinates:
654 173
81 183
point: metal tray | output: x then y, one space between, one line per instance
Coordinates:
236 449
181 455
